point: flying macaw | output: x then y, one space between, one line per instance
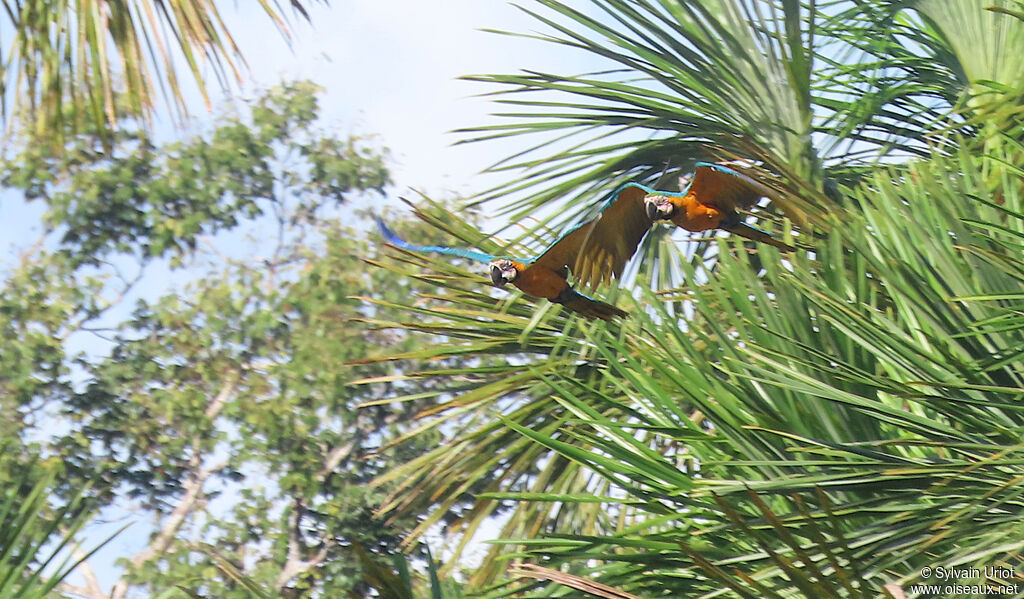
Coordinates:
711 201
545 276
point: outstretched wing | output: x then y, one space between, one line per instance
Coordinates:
745 230
398 242
599 249
726 189
590 307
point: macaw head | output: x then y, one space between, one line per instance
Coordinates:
503 272
659 207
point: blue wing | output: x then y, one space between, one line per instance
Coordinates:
398 242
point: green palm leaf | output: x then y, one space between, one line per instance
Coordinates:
74 62
684 81
824 423
924 69
845 373
37 539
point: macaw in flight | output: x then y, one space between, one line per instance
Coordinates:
711 201
598 250
545 276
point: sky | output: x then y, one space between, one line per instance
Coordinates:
390 70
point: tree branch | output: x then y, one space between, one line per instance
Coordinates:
214 408
172 524
336 456
88 592
294 564
92 588
193 489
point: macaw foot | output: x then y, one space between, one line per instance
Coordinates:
587 306
730 220
755 234
564 296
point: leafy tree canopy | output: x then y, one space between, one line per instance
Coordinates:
221 410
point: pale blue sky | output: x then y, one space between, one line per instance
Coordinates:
390 68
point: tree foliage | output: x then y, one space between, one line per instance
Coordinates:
220 409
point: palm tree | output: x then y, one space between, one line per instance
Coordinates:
77 61
826 424
37 538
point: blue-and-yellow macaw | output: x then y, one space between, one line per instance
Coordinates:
711 201
545 276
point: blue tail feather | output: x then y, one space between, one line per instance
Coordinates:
398 242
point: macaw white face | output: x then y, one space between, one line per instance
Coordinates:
503 272
659 207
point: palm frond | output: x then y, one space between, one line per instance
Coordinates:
37 539
684 81
924 75
872 385
93 61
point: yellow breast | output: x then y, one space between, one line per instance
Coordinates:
694 216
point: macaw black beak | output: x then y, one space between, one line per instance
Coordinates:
496 278
503 272
658 208
652 210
